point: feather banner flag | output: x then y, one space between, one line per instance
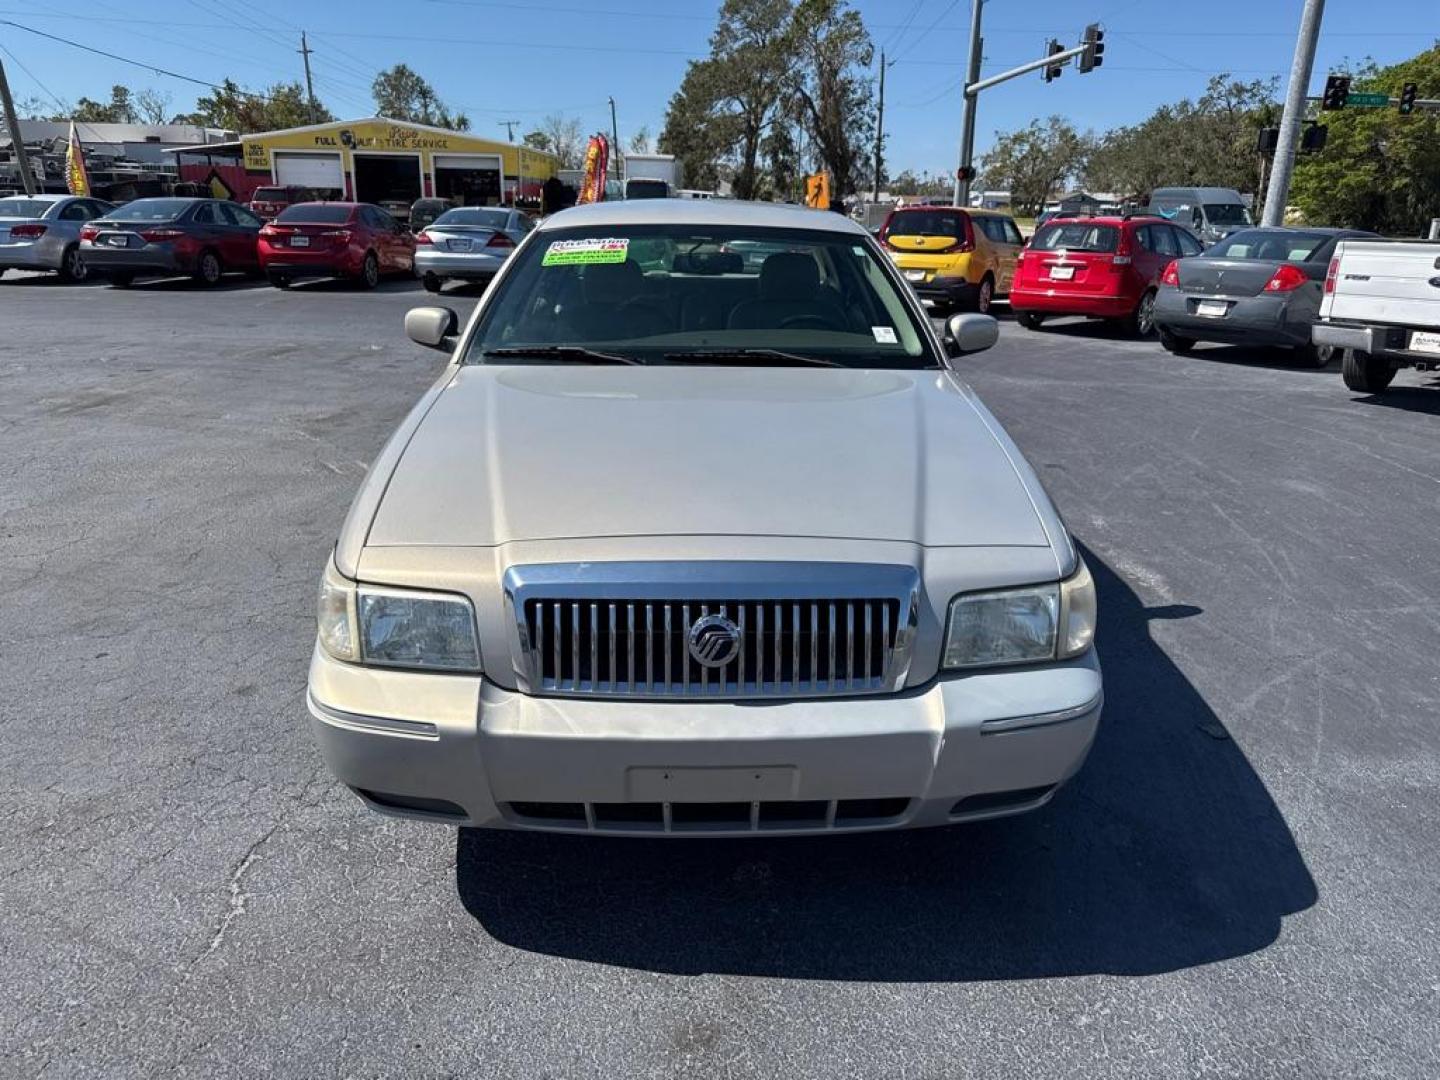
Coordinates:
77 180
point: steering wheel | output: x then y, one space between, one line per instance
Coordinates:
811 322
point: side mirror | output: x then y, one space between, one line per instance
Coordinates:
966 334
433 327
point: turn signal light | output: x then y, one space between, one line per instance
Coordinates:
500 240
89 232
1286 279
1331 273
1171 276
422 238
27 232
153 236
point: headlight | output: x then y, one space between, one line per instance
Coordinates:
1021 626
396 627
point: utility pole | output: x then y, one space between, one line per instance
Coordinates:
967 132
509 126
880 127
1300 68
614 139
17 141
305 51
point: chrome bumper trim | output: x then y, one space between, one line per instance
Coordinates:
373 725
1035 720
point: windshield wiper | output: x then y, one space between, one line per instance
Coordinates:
720 356
563 352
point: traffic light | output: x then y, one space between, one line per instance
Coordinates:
965 173
1312 139
1052 71
1268 140
1094 54
1337 89
1407 98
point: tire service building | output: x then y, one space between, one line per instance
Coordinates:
377 160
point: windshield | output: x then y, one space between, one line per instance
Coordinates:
152 210
1077 236
926 223
1269 246
270 194
315 213
1227 214
485 219
26 208
665 293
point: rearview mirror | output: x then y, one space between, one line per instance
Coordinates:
966 334
433 327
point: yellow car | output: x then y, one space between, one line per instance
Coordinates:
952 257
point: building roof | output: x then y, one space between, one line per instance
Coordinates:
33 130
701 212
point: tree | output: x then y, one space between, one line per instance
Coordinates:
153 106
1035 161
558 135
401 94
119 110
1379 170
640 141
830 81
1209 142
284 105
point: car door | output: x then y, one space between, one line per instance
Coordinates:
1163 249
1186 242
378 236
247 230
237 244
1014 244
204 226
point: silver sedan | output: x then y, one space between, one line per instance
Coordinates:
42 232
468 243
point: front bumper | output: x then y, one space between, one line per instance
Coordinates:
1275 319
473 266
463 750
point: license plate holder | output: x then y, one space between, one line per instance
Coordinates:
1062 273
458 245
117 240
914 275
1426 341
1212 309
299 241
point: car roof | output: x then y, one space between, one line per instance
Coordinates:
701 212
1061 217
1197 192
42 197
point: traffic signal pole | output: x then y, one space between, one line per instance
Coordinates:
1092 48
1300 69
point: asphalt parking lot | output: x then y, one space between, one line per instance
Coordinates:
1241 882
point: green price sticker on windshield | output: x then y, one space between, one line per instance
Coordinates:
586 252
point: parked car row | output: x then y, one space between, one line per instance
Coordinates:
208 238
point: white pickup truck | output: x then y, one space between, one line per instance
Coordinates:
1381 305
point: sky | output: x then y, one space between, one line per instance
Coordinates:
519 60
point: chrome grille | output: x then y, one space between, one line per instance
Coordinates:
628 636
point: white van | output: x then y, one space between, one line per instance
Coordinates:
1210 213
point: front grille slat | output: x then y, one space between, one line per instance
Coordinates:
619 646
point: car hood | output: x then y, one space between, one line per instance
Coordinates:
547 452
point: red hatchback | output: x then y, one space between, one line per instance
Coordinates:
335 239
1099 267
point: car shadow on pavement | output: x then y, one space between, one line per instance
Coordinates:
228 283
1424 398
1276 359
392 283
1165 852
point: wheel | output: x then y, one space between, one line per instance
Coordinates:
431 283
370 271
280 281
1142 321
1174 343
208 270
1365 373
72 266
121 280
984 295
1030 320
1316 356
